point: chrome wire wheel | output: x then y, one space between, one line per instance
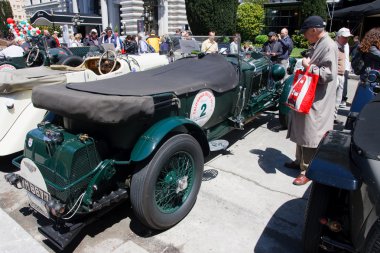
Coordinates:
175 182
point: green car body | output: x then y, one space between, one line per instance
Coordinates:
155 161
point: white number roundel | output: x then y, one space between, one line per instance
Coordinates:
203 107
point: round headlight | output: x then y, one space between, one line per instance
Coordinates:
278 72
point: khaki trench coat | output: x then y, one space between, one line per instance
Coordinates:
308 129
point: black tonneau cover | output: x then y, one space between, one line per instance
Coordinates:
183 76
118 99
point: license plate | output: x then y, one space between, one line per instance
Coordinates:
36 191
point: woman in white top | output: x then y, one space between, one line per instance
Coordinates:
77 42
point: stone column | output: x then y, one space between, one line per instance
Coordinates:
75 6
163 10
103 6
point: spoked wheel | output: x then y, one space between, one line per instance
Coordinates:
133 64
316 209
107 62
33 55
165 190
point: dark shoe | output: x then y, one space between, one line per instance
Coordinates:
292 165
301 180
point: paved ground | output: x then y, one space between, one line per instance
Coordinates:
247 203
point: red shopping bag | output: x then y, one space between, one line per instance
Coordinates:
301 95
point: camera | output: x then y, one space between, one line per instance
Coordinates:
306 53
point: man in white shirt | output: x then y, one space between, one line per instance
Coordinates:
13 50
210 45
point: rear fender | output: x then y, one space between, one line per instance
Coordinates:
151 139
284 109
332 165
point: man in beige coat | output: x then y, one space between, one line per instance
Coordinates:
306 130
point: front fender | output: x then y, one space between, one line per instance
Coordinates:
151 139
284 109
332 165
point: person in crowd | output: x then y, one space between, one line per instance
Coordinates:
14 50
186 36
178 32
143 45
55 37
109 37
273 48
342 37
164 45
306 130
234 45
120 40
77 41
370 47
210 45
130 45
355 44
287 48
154 41
346 76
92 39
10 36
247 46
50 41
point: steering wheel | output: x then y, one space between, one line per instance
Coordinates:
33 55
107 62
132 67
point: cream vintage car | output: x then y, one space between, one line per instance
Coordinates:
17 113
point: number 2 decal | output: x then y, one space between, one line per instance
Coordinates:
203 108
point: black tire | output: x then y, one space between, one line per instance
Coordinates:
372 244
145 182
283 120
72 61
316 208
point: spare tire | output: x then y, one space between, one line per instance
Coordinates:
72 61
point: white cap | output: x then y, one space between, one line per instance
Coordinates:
56 32
94 31
344 32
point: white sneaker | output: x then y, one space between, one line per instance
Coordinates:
342 105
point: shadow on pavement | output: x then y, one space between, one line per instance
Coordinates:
283 233
6 163
271 160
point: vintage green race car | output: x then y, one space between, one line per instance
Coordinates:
141 136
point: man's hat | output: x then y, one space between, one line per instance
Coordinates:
344 32
56 32
94 31
312 22
270 34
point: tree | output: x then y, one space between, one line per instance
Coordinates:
250 20
216 15
314 7
5 12
261 2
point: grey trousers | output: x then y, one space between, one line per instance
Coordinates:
304 156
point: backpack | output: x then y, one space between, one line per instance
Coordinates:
357 62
